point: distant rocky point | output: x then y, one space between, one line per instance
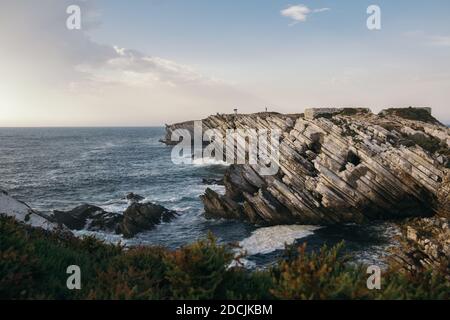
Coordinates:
337 165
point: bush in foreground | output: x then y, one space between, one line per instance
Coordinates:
33 266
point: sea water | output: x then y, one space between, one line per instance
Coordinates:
61 168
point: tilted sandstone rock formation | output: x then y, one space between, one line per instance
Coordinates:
346 166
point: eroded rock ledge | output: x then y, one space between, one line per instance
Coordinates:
338 166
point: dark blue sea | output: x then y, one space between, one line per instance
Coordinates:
61 168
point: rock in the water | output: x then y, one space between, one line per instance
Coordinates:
88 217
132 197
143 216
218 182
217 206
338 166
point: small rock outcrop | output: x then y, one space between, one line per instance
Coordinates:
338 166
88 217
143 216
218 182
136 218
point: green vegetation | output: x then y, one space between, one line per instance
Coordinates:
33 266
428 143
411 114
354 111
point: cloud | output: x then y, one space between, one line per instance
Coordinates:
56 76
299 13
133 68
440 41
321 10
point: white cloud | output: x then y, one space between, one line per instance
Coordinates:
321 10
299 13
133 68
71 79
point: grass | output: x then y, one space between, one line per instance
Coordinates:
33 266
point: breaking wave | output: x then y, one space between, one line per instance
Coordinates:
270 239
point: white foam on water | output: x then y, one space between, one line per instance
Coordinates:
115 206
107 237
209 162
270 239
180 209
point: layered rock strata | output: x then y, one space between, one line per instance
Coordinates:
337 166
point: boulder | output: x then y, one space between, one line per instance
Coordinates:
211 181
88 217
143 216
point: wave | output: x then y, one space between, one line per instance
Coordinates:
270 239
98 149
209 162
103 236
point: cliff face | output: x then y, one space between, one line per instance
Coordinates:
338 166
188 125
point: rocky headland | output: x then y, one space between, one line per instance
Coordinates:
346 165
337 166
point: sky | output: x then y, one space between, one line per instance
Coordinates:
151 62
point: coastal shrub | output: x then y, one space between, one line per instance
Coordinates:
412 114
427 285
33 265
197 270
33 262
136 274
322 275
426 142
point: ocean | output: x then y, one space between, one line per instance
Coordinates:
61 168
